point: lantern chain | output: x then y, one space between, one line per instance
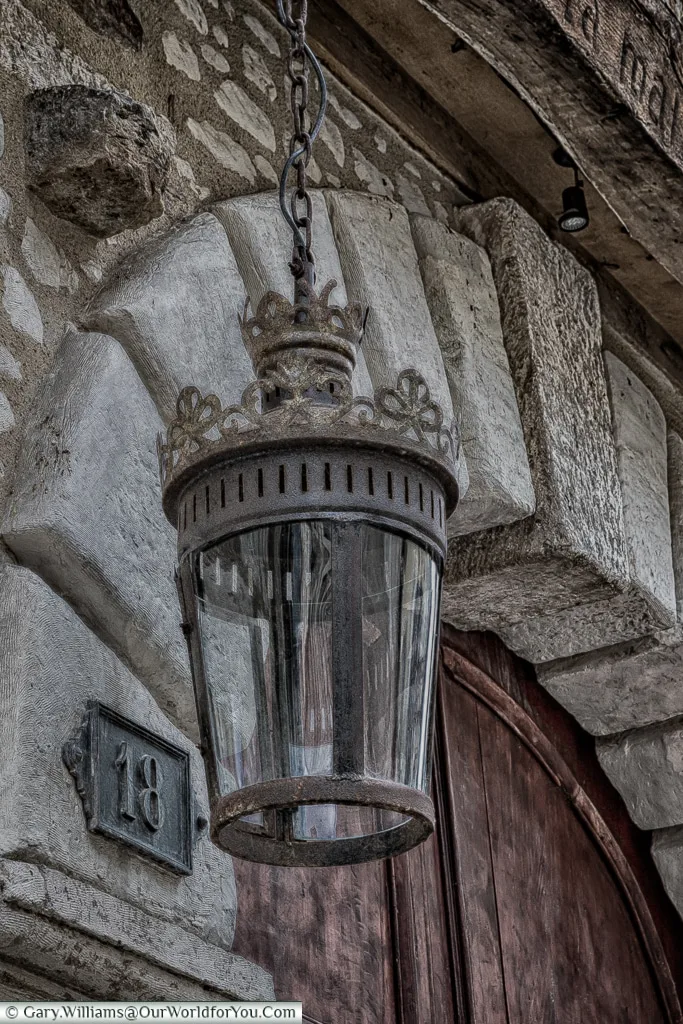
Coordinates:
299 212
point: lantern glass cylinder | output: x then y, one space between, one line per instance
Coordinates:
318 641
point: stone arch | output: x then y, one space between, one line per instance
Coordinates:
91 522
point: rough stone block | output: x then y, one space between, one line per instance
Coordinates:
261 243
646 766
381 271
51 665
648 602
97 158
572 551
464 307
640 436
667 853
175 307
631 684
86 512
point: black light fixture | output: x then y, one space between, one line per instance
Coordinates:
311 541
574 216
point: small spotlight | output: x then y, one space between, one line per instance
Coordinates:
574 215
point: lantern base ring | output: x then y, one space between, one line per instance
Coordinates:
250 842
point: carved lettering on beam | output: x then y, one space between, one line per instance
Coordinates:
637 47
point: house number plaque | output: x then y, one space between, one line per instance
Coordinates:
135 787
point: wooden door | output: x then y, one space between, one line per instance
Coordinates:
528 906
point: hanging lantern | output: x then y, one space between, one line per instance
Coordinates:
311 541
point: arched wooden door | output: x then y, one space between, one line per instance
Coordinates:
524 908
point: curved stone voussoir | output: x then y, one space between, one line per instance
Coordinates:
175 307
646 766
382 272
667 853
464 307
86 513
648 602
620 687
630 685
51 665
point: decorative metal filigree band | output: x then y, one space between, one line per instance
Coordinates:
404 415
275 314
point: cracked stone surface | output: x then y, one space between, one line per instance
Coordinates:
97 158
520 580
86 515
464 307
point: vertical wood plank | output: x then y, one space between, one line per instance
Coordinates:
568 941
325 935
421 936
463 773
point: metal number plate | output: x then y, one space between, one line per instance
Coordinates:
135 786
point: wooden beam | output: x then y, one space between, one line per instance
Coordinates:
412 68
637 47
355 57
582 101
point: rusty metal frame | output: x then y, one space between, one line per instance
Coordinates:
349 785
282 795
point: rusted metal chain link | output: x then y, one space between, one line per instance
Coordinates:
299 214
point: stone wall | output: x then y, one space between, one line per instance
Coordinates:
210 79
136 213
